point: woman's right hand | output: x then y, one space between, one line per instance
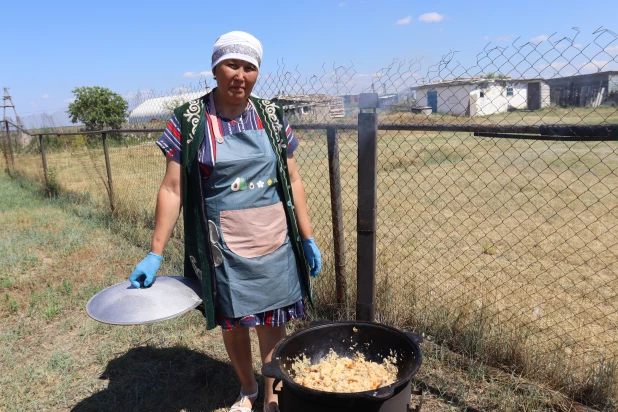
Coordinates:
146 270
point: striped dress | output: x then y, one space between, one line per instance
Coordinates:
170 144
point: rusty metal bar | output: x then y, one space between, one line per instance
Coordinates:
44 159
110 183
8 137
337 216
366 214
18 127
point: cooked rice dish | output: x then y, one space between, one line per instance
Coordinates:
343 374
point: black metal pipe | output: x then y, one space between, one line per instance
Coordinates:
337 216
552 138
559 130
586 132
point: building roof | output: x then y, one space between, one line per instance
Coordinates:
472 80
306 98
580 76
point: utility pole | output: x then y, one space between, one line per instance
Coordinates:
5 98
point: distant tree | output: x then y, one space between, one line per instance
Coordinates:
492 75
97 108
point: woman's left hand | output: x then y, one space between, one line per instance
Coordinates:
313 255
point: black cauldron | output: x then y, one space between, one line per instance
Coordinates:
375 341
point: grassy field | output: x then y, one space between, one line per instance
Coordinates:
503 250
55 255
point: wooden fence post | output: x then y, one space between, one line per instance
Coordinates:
110 183
44 159
12 154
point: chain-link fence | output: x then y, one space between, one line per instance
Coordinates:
497 211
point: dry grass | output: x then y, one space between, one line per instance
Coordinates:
55 256
549 115
502 249
54 357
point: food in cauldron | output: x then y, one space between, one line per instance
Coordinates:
343 374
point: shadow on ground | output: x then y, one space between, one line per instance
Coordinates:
165 379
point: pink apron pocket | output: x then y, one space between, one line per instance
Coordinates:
254 232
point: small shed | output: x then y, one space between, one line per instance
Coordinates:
387 101
583 90
482 96
311 107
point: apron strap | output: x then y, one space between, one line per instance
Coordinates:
213 119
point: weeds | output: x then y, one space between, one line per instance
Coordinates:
53 185
60 362
489 249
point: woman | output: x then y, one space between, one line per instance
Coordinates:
248 239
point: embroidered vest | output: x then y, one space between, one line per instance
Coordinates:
198 256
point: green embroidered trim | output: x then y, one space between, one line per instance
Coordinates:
197 261
192 116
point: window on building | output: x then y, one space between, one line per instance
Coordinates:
509 91
305 109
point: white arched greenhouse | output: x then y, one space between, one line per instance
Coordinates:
160 108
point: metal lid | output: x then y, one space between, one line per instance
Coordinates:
123 304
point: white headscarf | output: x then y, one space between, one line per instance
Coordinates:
237 45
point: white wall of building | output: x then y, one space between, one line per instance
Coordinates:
454 99
493 101
451 99
519 100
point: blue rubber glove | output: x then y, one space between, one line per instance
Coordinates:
313 255
146 268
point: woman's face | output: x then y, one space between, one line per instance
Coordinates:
235 80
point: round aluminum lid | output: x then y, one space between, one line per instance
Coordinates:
123 304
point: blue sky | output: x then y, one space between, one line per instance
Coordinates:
49 48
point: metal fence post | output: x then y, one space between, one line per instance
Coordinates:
8 137
108 165
42 146
367 202
337 215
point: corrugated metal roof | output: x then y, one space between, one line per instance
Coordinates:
609 73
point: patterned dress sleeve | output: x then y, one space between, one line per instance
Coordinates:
170 141
292 140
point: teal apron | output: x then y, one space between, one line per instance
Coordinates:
255 265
